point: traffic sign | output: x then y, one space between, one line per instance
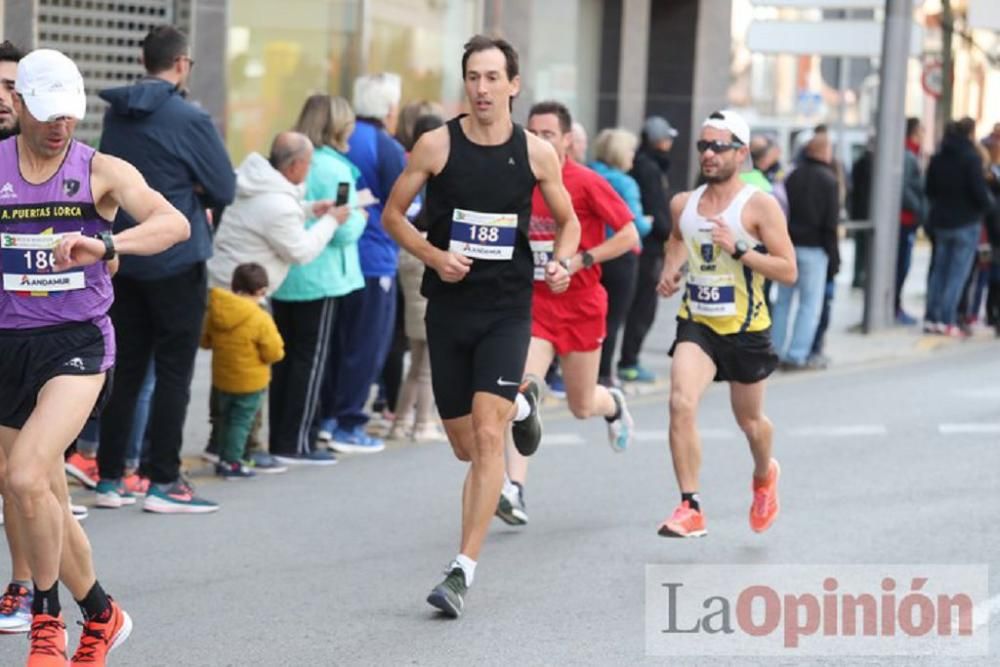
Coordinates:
932 78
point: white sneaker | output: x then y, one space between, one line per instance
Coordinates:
429 433
620 430
79 512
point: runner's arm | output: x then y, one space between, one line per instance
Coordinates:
675 254
548 173
778 261
620 243
160 225
418 170
122 186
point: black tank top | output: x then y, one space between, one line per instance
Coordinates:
479 205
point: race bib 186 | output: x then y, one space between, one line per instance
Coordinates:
711 296
28 264
483 235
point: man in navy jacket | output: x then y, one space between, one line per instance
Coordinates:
160 300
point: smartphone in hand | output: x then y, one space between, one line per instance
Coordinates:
343 189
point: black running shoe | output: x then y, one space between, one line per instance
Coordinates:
511 509
448 596
528 432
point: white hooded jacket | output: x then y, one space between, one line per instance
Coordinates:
266 224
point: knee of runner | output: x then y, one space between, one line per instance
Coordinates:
581 409
25 486
682 406
489 440
750 425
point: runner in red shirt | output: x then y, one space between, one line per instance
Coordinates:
572 324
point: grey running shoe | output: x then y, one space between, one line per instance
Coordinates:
511 508
528 432
620 430
449 595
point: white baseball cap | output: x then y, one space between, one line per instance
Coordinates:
732 121
51 85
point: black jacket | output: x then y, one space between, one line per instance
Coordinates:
177 149
956 186
651 179
814 208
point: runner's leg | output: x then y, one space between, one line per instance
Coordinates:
748 408
691 374
64 404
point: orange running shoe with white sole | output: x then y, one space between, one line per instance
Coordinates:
684 522
48 641
99 639
765 507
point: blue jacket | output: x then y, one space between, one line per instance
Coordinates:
336 271
176 148
627 189
381 160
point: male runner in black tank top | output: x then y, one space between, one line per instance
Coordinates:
480 171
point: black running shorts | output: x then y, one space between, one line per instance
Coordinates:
474 350
743 357
31 357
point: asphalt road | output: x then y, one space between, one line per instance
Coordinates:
885 463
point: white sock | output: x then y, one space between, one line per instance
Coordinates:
509 489
468 567
523 409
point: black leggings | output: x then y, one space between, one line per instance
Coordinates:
618 277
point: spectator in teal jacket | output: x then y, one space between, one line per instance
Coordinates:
614 153
305 303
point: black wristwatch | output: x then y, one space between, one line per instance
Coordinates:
742 247
587 259
109 246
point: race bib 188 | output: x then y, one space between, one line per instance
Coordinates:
483 235
28 264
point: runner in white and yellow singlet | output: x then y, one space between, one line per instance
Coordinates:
732 237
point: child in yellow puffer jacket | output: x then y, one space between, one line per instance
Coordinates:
244 342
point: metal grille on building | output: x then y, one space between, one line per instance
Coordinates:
105 40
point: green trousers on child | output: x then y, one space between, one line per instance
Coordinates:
234 420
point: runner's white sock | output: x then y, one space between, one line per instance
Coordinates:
509 488
523 409
468 567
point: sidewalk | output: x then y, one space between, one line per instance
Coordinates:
845 346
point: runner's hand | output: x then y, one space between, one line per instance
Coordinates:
722 236
670 282
451 267
556 277
78 250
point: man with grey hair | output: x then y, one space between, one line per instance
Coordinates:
364 327
266 223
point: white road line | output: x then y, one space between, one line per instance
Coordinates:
970 428
986 610
562 440
664 436
850 431
986 393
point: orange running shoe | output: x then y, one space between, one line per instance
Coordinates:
48 641
98 639
684 522
83 470
136 485
764 509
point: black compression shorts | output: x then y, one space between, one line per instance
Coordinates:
743 357
474 350
31 357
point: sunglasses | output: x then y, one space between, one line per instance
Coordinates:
716 146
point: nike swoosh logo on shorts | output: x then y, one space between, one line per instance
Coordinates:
506 383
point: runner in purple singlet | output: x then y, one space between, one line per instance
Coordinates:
57 198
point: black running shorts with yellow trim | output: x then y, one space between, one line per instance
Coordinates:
31 357
746 357
475 350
